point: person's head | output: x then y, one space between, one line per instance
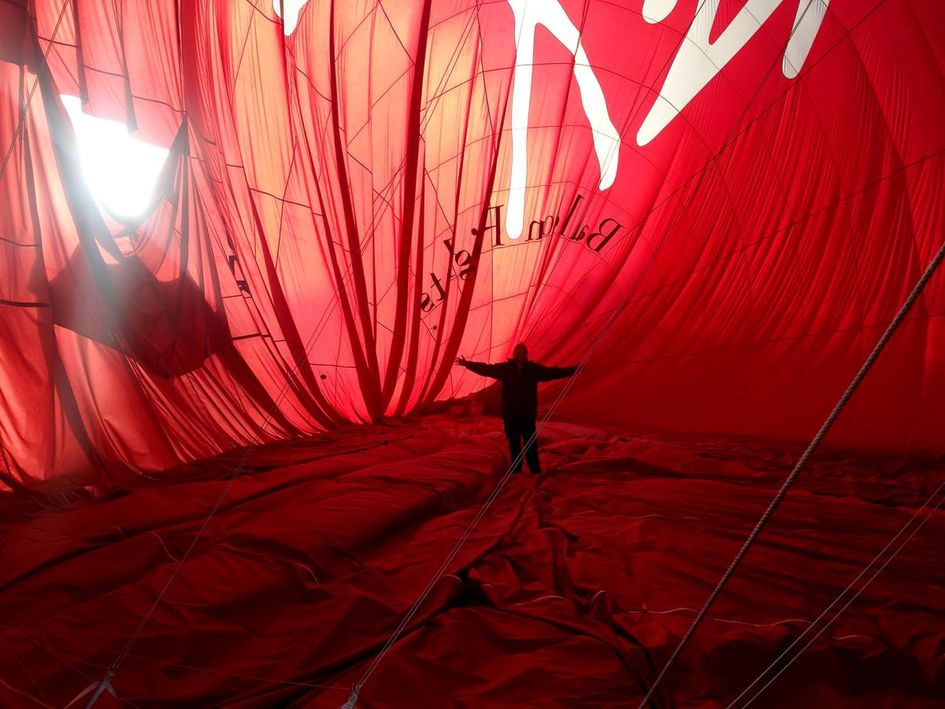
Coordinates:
520 353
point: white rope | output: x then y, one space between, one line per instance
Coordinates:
105 683
454 551
839 597
802 461
414 607
776 501
412 610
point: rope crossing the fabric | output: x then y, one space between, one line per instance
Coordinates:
356 689
927 505
106 683
24 110
802 462
412 610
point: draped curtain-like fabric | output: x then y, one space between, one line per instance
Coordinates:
718 205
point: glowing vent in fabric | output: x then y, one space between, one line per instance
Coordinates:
357 192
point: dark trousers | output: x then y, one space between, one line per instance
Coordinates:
517 431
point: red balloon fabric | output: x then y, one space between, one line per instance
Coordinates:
571 593
717 206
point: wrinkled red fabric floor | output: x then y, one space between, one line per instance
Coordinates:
570 593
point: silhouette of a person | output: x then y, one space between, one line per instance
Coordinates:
519 377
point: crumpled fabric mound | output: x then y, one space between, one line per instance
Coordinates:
572 591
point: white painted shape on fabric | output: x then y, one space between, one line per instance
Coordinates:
698 61
293 9
807 22
549 13
657 10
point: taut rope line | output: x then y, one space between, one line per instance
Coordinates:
802 461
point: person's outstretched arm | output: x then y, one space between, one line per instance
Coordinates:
547 374
482 368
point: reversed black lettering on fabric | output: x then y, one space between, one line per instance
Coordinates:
595 236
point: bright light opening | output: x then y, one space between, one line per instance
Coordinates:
120 171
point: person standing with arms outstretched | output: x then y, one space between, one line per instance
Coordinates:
519 377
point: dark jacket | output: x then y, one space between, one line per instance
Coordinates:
520 384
